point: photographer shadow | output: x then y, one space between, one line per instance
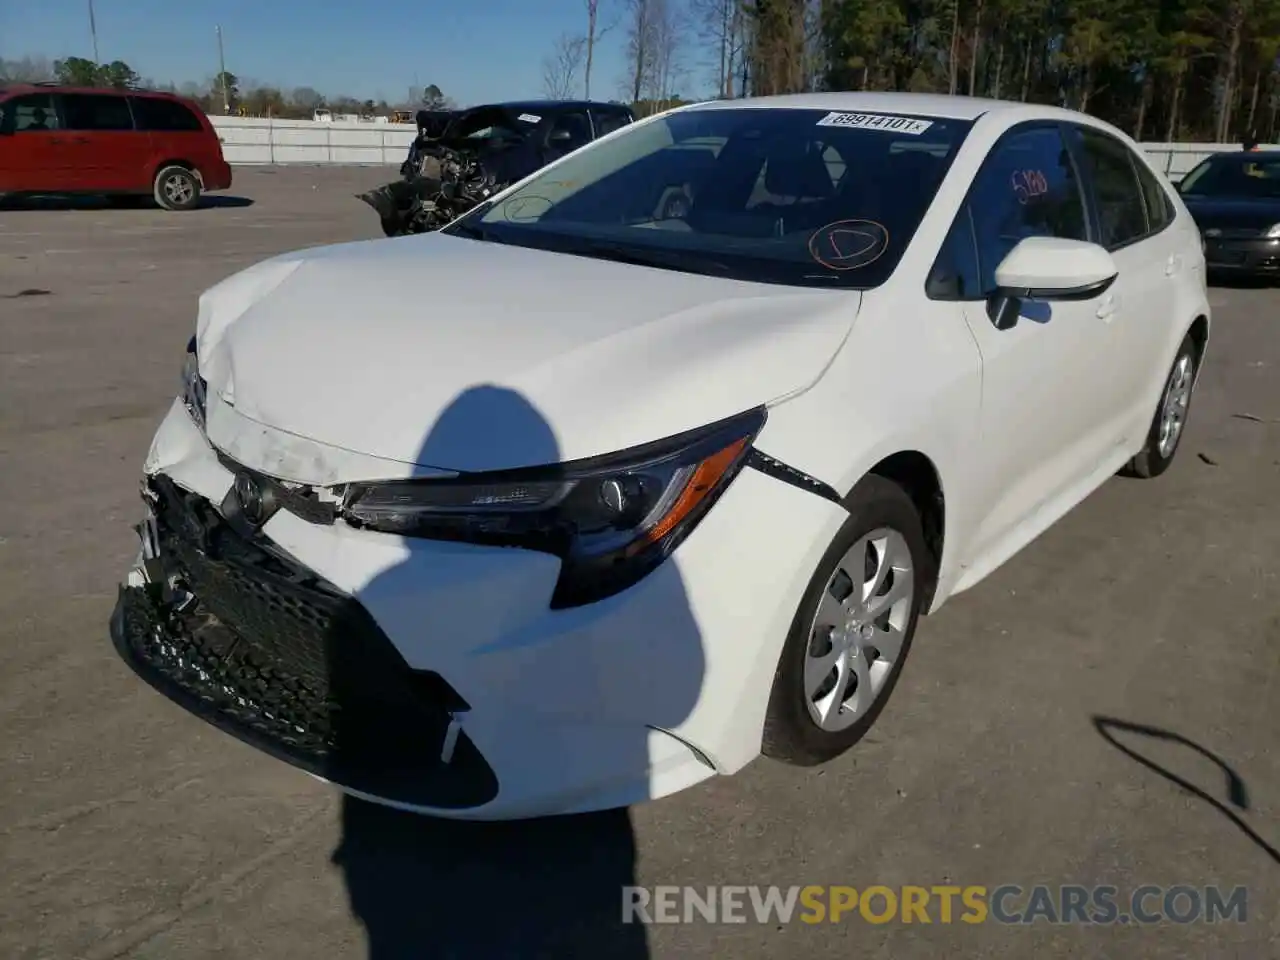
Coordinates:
427 887
423 887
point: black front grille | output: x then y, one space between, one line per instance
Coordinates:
272 653
1225 255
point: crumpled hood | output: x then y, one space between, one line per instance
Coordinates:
460 355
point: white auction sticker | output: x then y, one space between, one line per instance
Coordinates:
528 118
876 121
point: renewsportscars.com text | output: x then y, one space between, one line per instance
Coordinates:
1005 904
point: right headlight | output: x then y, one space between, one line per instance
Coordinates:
193 385
610 519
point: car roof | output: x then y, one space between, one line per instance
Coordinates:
938 105
15 88
549 106
1245 154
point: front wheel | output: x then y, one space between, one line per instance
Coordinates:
853 631
177 188
1170 419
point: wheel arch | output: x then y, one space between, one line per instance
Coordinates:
176 162
1199 334
918 475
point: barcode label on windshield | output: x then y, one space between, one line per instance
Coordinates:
876 121
528 118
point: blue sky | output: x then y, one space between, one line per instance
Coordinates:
474 50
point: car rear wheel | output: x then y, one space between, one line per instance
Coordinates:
177 188
853 631
1169 422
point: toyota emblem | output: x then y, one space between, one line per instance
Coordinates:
249 493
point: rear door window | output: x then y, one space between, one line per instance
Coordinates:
1122 209
99 112
569 131
164 116
1160 209
607 121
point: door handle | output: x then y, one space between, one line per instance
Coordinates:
79 139
1107 309
1173 265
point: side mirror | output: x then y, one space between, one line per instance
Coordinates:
1049 268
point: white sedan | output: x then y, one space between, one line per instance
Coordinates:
649 464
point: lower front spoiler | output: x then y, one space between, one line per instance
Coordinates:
1244 258
438 768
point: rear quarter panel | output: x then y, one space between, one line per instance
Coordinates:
200 149
1191 299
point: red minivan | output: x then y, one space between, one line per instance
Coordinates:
56 139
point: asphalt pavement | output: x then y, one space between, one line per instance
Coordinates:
1102 711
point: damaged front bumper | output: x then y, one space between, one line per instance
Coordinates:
252 642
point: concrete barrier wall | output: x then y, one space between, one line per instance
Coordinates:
248 141
253 141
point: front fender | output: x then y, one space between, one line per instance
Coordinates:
902 382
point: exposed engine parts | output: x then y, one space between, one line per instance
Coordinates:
460 159
440 186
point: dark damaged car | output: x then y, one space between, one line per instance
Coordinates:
460 158
1235 201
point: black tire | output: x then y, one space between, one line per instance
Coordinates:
1150 462
176 188
790 733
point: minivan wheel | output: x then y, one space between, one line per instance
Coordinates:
177 188
1170 420
853 630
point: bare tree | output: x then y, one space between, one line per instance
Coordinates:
560 67
670 31
814 53
308 99
26 70
597 29
640 44
719 25
778 46
593 12
657 39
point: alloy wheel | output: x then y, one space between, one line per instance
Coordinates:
859 629
178 189
1173 409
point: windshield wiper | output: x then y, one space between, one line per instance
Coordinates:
473 232
663 259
